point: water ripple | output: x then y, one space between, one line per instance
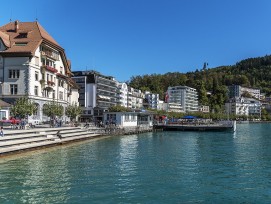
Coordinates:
164 167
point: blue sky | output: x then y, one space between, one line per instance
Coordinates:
125 38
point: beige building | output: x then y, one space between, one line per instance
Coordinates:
33 64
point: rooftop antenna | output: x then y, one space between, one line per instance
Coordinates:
36 15
10 16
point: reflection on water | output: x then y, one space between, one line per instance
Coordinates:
163 167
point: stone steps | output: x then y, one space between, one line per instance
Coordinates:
18 140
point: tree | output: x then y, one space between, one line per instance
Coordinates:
23 107
53 109
73 111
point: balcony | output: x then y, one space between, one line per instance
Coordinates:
61 76
48 68
50 54
50 83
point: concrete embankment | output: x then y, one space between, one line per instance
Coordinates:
15 141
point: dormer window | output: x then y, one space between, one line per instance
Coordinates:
20 43
22 35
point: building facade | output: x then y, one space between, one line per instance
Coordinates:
33 64
128 119
243 106
238 91
122 94
152 100
135 98
97 93
182 99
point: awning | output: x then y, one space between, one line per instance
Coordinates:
189 117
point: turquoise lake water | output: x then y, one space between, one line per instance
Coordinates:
162 167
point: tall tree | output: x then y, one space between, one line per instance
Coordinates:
73 111
53 109
23 107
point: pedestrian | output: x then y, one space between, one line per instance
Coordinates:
1 132
59 135
13 123
86 125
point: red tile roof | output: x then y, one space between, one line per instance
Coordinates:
34 32
24 39
5 39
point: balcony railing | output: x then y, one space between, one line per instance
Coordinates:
50 54
61 76
50 83
48 68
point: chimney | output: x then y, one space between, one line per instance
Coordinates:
16 28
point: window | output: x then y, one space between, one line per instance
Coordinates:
3 114
36 75
36 89
61 70
54 94
61 95
13 89
14 74
126 118
37 59
43 61
60 83
111 118
22 35
20 43
45 93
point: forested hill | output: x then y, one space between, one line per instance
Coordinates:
252 72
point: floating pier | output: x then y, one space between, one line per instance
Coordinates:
216 126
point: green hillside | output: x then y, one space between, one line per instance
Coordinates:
252 72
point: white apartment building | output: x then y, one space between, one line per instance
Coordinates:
97 93
243 106
182 99
238 91
161 105
33 64
152 100
122 94
135 98
204 109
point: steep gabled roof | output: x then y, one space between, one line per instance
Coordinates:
26 38
5 39
23 39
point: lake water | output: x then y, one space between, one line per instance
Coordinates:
162 167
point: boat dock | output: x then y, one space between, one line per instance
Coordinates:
215 126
